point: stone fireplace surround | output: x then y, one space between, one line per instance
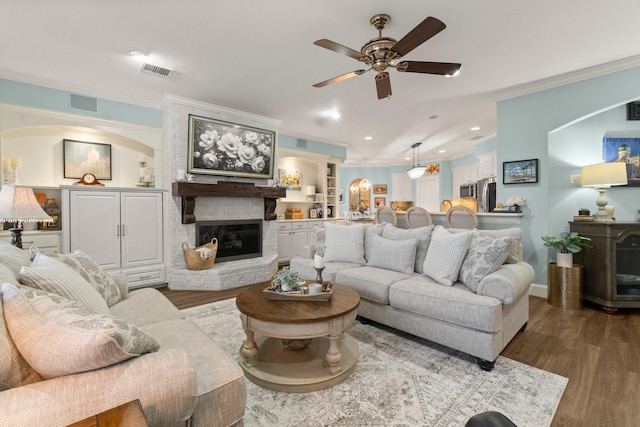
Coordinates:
223 275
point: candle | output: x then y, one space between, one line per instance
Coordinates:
16 162
318 261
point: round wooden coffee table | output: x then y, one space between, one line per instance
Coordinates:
297 346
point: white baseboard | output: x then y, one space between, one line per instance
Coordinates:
537 290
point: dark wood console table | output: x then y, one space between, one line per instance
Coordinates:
612 266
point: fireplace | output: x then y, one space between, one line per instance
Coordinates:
237 239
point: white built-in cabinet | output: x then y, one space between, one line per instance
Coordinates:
401 187
122 230
487 165
463 175
294 235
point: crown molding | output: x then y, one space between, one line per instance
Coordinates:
566 78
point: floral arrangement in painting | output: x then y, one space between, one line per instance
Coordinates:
224 149
290 179
432 168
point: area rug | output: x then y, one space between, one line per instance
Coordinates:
400 380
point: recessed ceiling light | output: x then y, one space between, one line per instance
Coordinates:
368 138
335 115
442 151
138 53
475 128
407 158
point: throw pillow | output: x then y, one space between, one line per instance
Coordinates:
53 276
485 255
58 336
12 257
421 234
92 273
344 243
369 232
445 255
396 255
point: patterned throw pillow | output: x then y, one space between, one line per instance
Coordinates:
485 256
445 255
58 336
92 273
395 255
53 276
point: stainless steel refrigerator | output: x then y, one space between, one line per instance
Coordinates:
487 194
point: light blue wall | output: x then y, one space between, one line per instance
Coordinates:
524 127
308 145
27 95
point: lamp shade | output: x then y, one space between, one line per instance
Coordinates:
416 172
18 203
311 190
604 175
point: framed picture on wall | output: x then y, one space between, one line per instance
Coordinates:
520 172
379 188
380 201
81 157
229 149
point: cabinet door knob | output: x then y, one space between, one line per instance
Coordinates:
117 230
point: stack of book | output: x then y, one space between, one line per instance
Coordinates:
578 218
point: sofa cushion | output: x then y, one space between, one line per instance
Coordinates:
58 336
92 273
13 258
14 370
344 243
421 234
145 306
396 255
513 232
445 255
369 232
485 255
51 275
456 304
220 382
370 282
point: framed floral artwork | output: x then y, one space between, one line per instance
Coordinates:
290 179
228 149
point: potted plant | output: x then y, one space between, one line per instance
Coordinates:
567 244
286 281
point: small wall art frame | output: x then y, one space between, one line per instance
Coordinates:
81 157
379 188
228 149
520 172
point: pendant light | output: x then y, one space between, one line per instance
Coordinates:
416 171
364 184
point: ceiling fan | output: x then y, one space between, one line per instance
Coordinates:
381 53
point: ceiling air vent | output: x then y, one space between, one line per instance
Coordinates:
154 69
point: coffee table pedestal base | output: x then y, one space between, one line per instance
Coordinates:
299 371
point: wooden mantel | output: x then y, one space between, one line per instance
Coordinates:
190 190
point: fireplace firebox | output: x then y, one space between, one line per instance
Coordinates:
237 239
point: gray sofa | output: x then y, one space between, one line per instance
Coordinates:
467 290
61 362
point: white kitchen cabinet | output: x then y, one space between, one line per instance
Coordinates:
463 175
401 187
487 165
292 238
121 230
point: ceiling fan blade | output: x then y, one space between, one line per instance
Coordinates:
420 34
328 44
383 84
340 78
441 68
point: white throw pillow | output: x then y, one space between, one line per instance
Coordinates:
421 234
396 255
344 243
58 336
485 255
54 276
445 255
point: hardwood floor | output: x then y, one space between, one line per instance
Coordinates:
598 352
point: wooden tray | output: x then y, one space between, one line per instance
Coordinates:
296 296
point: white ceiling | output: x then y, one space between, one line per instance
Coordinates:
258 56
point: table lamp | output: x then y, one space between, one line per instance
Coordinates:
18 204
602 176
